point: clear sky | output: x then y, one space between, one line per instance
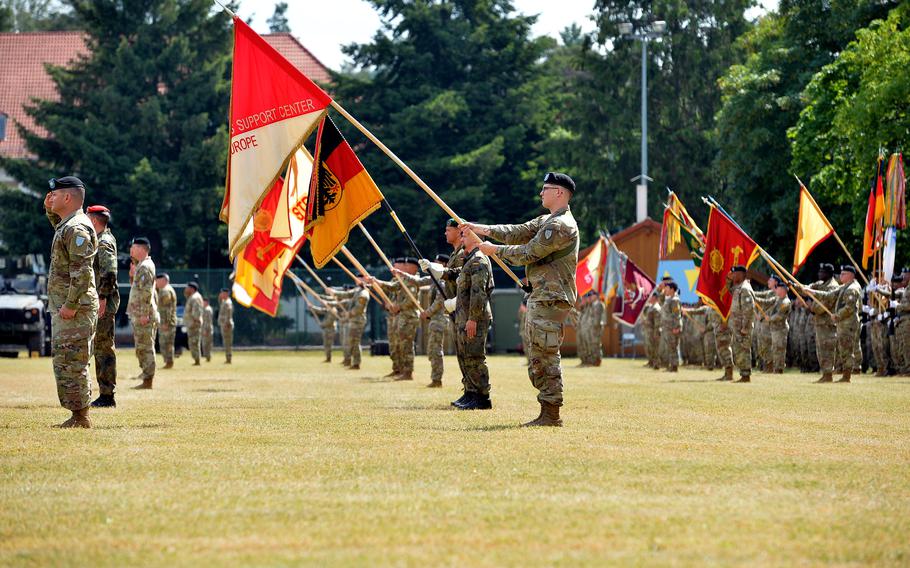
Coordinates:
323 27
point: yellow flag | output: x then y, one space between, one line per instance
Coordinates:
811 229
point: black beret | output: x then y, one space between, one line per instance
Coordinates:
673 285
562 180
451 223
225 289
442 258
905 270
141 241
193 284
826 267
783 285
848 268
66 182
161 275
397 260
409 260
667 279
897 278
738 268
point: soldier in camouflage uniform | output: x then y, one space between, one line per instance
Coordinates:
142 308
762 331
407 316
208 330
72 297
901 305
723 342
741 322
192 319
777 316
344 326
105 268
825 329
548 249
671 325
436 328
596 329
879 298
226 323
651 328
473 317
847 306
167 316
705 330
327 315
356 301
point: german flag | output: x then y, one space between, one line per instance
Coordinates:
342 194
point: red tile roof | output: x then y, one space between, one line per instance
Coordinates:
22 74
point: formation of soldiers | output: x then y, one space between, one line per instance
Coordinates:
845 329
589 328
83 299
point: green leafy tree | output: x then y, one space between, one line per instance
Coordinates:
762 99
278 22
452 86
853 107
36 15
141 119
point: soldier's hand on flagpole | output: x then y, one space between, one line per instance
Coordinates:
476 228
67 313
102 307
470 329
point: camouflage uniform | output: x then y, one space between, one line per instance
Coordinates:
473 288
143 302
449 283
192 319
879 299
358 300
436 330
596 330
723 339
778 312
741 322
650 325
344 330
825 329
105 267
703 313
762 332
167 326
548 249
208 332
226 323
847 307
407 320
523 328
902 329
71 283
670 329
328 315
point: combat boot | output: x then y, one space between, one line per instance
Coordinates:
826 378
405 376
197 363
104 401
845 378
146 385
394 373
169 365
354 368
435 385
549 416
79 419
536 421
466 396
672 369
346 363
327 360
743 379
728 374
478 402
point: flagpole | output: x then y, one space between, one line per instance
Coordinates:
363 129
313 274
407 236
833 230
225 8
772 262
354 278
389 265
389 303
297 281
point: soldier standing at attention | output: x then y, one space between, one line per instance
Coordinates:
142 308
327 315
226 323
671 325
598 312
723 341
436 330
358 299
901 306
105 268
741 322
651 321
473 317
408 315
192 319
167 316
548 249
848 300
825 329
72 297
778 318
208 330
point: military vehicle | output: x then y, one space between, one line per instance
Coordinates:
24 319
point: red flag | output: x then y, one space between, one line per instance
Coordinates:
725 247
590 269
274 107
869 231
637 286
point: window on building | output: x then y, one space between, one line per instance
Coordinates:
3 121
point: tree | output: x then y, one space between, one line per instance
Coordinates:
36 15
452 86
599 126
854 106
762 99
141 120
278 22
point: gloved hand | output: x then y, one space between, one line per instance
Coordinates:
450 305
435 269
893 303
424 264
867 310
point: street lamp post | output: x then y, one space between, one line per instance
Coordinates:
654 31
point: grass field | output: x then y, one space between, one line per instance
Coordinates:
282 460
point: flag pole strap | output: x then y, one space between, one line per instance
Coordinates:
389 265
445 207
313 273
389 303
354 278
833 230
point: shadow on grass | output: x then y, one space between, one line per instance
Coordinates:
377 380
705 381
29 406
494 428
445 406
141 426
216 390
